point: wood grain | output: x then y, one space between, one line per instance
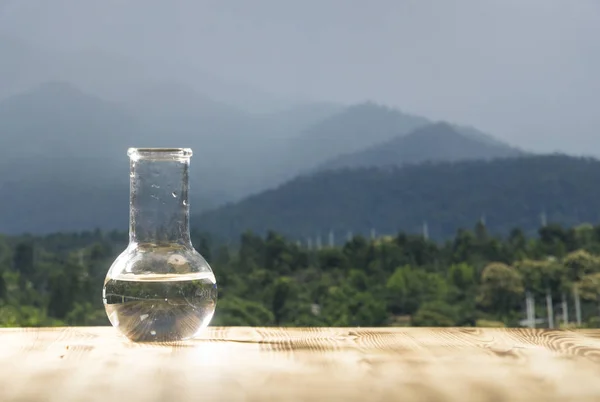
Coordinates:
293 364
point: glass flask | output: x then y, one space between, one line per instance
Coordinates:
160 288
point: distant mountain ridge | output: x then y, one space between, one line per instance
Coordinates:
509 192
55 136
433 142
116 76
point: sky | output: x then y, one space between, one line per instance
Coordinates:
525 71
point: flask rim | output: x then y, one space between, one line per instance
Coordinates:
171 154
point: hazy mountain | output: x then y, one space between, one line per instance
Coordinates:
353 129
73 138
420 56
58 120
59 157
433 142
63 162
473 133
292 121
238 152
25 66
508 193
170 113
117 77
56 137
173 99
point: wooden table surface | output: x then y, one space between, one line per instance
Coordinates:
328 364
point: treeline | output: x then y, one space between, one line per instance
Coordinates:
474 279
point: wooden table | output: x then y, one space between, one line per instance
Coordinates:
329 364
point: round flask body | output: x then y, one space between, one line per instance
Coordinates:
160 293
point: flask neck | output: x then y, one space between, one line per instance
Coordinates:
158 205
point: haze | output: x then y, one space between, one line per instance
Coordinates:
525 71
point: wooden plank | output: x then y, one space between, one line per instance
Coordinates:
293 364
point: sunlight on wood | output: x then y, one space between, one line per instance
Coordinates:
294 364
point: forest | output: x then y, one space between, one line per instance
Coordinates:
473 279
508 193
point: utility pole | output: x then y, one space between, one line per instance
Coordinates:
530 304
577 305
425 230
331 239
543 219
565 309
550 309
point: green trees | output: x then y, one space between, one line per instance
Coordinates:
473 279
435 314
408 288
236 311
501 290
580 263
589 287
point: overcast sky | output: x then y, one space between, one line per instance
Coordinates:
526 71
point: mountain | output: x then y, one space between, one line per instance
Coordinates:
116 76
59 143
63 163
171 113
239 150
25 66
509 193
73 114
473 133
351 129
175 100
56 137
60 161
434 142
56 119
293 121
